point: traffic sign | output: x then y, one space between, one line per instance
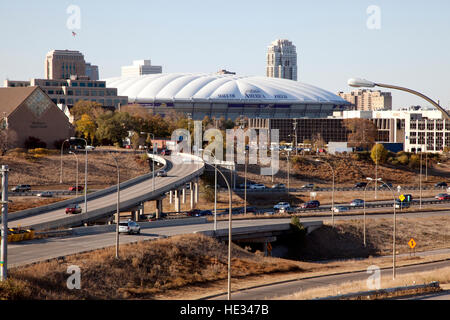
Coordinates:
412 244
402 198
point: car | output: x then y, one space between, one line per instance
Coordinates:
308 186
440 185
444 197
45 194
386 185
401 204
166 152
74 188
440 195
279 186
338 209
74 209
281 205
357 203
129 227
90 148
257 186
205 213
21 188
361 185
162 173
310 204
193 213
128 146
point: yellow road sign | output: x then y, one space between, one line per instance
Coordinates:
402 198
412 244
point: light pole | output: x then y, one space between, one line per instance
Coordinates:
76 183
85 170
332 192
364 210
230 210
118 206
61 171
358 83
153 159
288 173
245 183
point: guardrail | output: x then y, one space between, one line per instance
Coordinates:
409 188
111 209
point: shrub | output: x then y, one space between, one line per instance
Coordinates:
403 159
39 151
33 143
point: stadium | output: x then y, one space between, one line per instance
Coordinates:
228 96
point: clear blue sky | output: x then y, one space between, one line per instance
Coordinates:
412 48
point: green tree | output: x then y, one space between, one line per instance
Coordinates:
86 127
379 154
114 127
91 108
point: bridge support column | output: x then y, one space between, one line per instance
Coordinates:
159 208
183 196
191 193
177 201
196 191
170 196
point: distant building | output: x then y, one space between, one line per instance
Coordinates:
70 91
92 72
368 100
139 68
29 112
282 60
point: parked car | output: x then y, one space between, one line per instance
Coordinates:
440 185
357 203
129 227
308 186
310 204
74 209
165 152
74 188
361 185
444 197
339 209
281 205
45 194
162 173
279 186
21 188
257 186
440 195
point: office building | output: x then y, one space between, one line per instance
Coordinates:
29 112
282 60
368 100
62 64
92 72
140 68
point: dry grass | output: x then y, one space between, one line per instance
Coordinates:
144 269
442 275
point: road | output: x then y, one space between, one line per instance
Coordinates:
176 173
290 287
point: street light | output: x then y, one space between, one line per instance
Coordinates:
76 184
364 210
153 159
394 231
332 192
230 209
118 205
61 172
245 183
358 83
85 170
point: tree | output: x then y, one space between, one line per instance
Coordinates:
363 133
86 126
114 127
91 108
318 142
379 154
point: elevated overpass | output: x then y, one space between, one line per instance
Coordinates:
103 203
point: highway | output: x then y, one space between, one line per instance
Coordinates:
175 174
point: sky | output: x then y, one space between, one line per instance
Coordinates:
401 42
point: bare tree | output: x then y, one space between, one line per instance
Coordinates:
363 133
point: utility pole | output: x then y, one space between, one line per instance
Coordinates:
295 132
4 227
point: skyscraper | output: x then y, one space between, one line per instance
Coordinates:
61 64
139 68
282 60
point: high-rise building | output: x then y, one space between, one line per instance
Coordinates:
368 100
61 64
139 68
92 72
282 60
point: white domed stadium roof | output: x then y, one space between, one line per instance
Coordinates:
201 87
